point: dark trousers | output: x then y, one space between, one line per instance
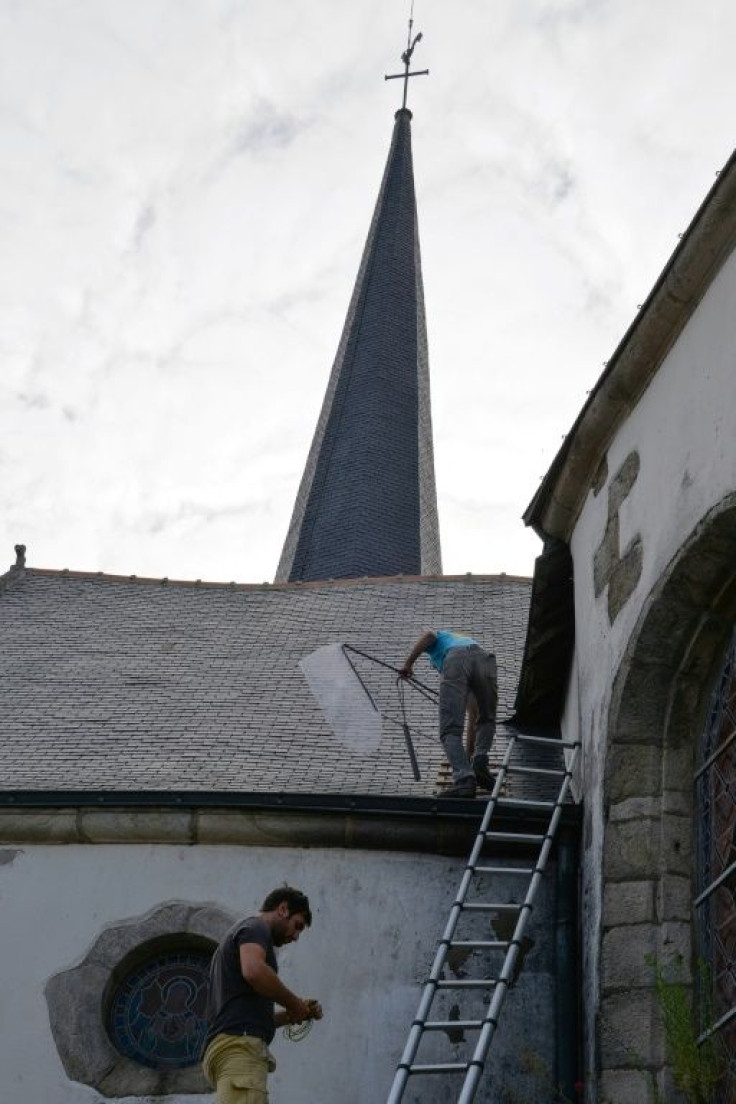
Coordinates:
467 670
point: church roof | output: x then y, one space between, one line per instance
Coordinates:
367 503
114 683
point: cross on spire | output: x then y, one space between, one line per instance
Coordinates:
406 58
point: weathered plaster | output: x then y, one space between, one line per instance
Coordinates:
377 919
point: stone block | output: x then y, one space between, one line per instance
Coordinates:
631 850
269 829
634 808
42 826
685 708
628 903
679 766
634 770
679 802
627 1087
631 1030
136 826
676 947
624 956
677 844
641 713
675 898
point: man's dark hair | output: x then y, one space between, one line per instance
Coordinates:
295 899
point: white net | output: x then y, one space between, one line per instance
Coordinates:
344 702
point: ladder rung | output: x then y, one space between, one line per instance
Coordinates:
445 1025
549 741
524 803
546 772
441 1067
514 837
490 906
481 944
469 983
503 870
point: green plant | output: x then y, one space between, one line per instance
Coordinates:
698 1068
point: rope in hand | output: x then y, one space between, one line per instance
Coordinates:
297 1031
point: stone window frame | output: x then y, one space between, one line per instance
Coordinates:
712 747
659 700
78 998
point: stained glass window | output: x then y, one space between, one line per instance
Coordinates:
157 1012
715 903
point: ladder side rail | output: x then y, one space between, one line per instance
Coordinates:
416 1031
490 1022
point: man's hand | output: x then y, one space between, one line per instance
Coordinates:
426 640
299 1010
315 1009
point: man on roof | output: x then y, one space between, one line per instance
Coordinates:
244 986
467 671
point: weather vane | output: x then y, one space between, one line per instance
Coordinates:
406 58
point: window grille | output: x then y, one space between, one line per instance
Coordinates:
715 903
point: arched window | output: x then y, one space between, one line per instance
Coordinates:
715 903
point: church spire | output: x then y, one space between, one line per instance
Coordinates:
367 503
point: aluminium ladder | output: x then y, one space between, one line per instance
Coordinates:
498 987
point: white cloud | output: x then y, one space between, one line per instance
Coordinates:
186 190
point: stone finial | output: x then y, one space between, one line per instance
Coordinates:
20 555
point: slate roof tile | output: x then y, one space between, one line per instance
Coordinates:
116 683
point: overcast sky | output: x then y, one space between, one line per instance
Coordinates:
185 190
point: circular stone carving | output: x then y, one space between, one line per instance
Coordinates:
81 1001
157 1012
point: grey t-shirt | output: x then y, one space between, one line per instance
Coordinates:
233 1006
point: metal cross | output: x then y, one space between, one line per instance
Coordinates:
406 58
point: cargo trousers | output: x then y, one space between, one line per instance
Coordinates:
237 1067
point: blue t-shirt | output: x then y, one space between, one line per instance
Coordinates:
444 642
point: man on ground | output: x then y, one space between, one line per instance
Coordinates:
244 986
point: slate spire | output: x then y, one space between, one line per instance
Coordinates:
367 503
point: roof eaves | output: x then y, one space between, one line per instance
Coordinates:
701 252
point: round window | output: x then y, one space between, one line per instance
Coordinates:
156 1013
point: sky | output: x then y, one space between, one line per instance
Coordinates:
185 193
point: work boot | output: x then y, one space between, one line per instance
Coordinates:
464 788
484 778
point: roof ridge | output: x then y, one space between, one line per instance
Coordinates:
365 580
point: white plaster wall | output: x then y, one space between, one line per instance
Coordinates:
377 918
684 429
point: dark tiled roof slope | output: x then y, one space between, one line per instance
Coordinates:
110 683
367 503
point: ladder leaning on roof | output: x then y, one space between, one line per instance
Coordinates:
472 1070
